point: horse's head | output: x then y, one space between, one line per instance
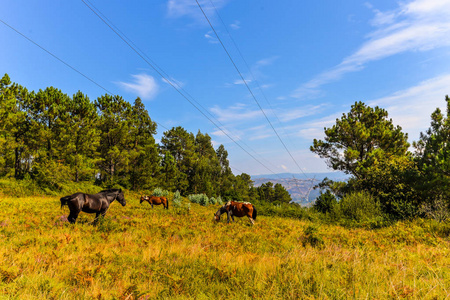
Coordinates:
121 197
143 198
219 213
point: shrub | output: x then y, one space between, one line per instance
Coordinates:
201 199
311 237
176 199
158 192
358 208
325 202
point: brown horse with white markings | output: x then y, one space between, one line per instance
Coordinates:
238 209
155 200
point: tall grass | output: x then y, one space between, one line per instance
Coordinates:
139 253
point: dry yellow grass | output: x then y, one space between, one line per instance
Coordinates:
140 253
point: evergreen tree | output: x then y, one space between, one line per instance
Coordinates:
433 157
180 144
144 166
360 138
115 139
81 137
14 128
281 195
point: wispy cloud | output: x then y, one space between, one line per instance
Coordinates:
255 72
211 37
235 25
236 113
411 108
143 85
189 8
419 25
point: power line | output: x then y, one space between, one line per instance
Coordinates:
249 69
65 63
174 82
245 82
161 73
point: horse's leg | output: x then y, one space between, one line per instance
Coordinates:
73 215
228 216
232 217
152 204
98 215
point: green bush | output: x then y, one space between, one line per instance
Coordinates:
177 199
325 202
311 237
201 199
158 192
292 210
358 209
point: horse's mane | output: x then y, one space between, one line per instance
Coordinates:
111 191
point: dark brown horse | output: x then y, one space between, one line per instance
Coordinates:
97 203
155 200
238 209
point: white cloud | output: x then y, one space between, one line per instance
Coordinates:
236 113
419 25
411 108
235 25
189 8
297 113
143 85
240 81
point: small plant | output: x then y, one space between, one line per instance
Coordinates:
176 199
158 192
438 209
201 199
311 237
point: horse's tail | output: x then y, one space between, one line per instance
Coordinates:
167 203
64 200
254 213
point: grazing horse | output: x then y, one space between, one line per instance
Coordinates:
155 200
97 203
238 209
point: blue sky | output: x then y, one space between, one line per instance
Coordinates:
306 63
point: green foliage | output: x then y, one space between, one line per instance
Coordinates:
158 192
108 141
311 237
433 157
176 199
325 202
359 138
358 209
292 210
392 181
201 199
365 144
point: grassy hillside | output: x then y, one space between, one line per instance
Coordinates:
139 253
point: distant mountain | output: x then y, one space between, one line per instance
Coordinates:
299 186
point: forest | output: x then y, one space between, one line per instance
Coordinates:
52 140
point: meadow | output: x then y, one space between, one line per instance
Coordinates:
140 253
